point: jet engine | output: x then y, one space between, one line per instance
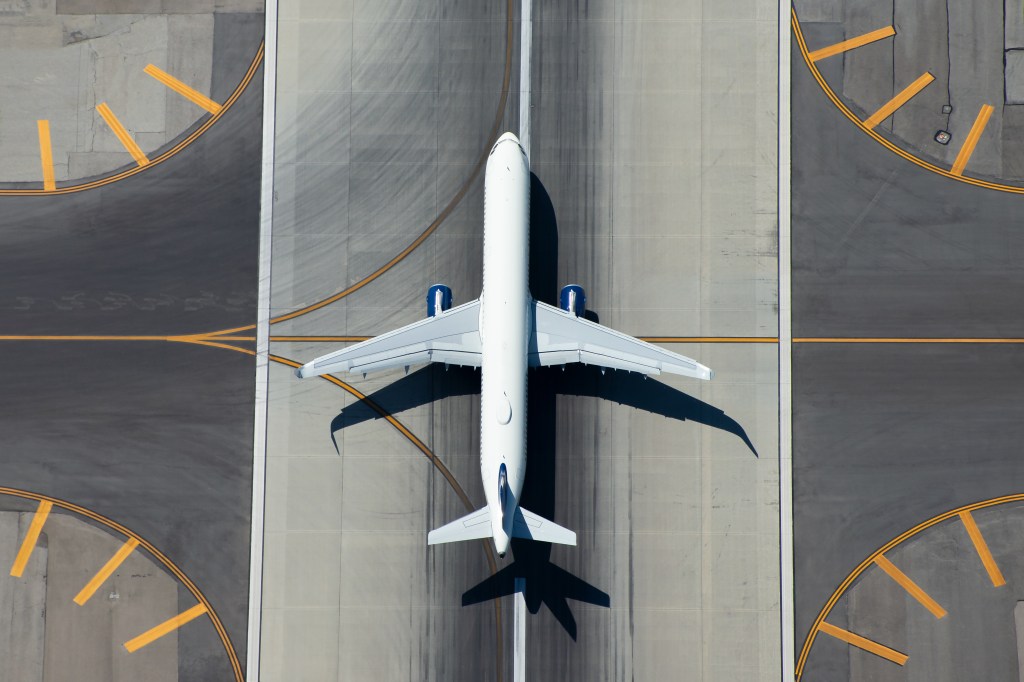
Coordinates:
573 299
439 299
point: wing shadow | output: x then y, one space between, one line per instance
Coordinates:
643 393
434 382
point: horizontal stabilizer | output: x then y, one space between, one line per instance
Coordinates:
529 526
473 526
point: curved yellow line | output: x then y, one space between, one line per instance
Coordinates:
798 34
864 565
157 554
409 435
441 217
253 66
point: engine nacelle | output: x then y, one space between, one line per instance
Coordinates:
439 299
573 299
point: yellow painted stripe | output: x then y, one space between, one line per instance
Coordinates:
980 546
167 626
852 43
850 339
890 107
46 154
122 134
855 119
964 155
185 91
864 643
31 538
867 563
910 586
105 572
709 339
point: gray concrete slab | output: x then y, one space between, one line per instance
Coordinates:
87 642
65 59
22 602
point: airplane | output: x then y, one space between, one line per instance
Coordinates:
503 333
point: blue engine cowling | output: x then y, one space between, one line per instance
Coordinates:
439 299
573 299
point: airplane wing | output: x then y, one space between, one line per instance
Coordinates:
452 337
560 338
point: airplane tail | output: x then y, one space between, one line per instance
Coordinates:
525 525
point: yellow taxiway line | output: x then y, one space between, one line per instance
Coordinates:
105 572
981 547
910 586
46 154
864 643
169 625
31 538
850 339
122 134
185 91
852 43
890 107
964 155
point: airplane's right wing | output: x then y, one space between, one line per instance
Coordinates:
561 338
452 337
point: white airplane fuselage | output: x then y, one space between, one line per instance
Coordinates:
505 333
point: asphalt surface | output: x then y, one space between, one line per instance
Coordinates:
888 435
155 435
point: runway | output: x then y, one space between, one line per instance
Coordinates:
377 140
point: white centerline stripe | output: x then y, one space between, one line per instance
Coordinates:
519 632
525 56
259 436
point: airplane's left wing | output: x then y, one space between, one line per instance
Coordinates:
451 337
560 338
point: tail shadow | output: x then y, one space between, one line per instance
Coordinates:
546 584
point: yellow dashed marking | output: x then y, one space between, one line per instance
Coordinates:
122 134
890 107
185 91
852 43
994 574
46 155
910 586
964 155
105 572
169 625
864 643
31 538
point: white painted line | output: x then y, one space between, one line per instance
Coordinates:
259 436
525 56
785 352
519 634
